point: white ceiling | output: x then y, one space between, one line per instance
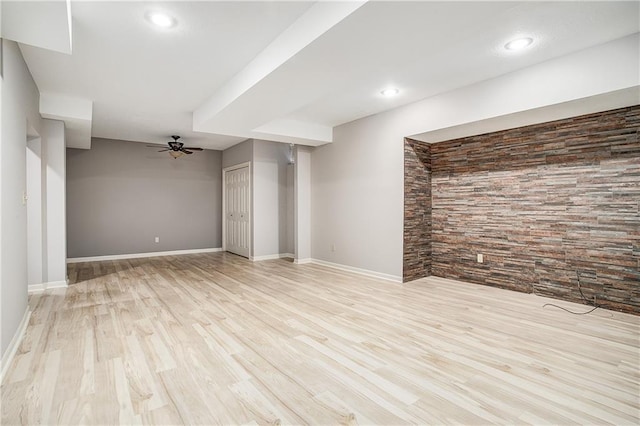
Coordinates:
291 71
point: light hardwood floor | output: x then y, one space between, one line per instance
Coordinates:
216 339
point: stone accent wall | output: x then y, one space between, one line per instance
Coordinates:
543 203
417 210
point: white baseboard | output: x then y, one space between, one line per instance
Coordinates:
14 344
141 255
271 257
302 261
34 288
367 272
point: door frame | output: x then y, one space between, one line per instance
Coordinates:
224 204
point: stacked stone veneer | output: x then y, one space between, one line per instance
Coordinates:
417 210
541 203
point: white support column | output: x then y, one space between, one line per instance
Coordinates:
302 197
56 221
34 211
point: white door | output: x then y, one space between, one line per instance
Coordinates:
237 214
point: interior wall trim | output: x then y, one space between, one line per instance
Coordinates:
367 272
141 255
15 343
35 288
271 257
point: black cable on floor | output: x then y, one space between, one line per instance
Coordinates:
595 305
571 312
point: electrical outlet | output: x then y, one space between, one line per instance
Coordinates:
480 258
157 239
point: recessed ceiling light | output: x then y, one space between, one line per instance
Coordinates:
161 20
519 43
392 91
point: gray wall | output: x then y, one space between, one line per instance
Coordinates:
303 212
20 99
357 196
290 215
270 226
121 195
237 154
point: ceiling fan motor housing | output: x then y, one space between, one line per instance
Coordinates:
177 148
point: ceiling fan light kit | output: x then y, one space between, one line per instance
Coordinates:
177 149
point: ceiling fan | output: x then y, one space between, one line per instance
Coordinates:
176 149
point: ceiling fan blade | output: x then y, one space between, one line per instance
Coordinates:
163 150
187 152
154 146
192 149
